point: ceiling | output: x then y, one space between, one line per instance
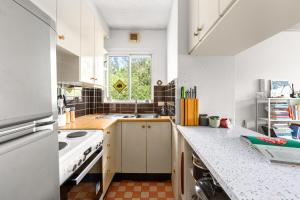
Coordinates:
135 14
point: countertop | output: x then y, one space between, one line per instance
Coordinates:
89 122
242 171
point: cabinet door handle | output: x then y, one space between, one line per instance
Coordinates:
61 37
199 29
108 157
108 145
196 34
143 126
108 132
149 126
92 78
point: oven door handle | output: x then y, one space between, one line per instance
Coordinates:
84 172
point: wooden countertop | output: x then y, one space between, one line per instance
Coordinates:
89 122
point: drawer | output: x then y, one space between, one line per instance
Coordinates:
107 178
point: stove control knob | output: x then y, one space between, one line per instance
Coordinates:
79 162
74 167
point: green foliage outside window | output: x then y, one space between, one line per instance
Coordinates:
140 77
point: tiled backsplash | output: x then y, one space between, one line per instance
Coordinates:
83 99
89 101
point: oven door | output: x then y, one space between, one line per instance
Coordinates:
86 182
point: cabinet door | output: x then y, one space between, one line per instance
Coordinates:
48 6
68 25
208 15
224 5
133 147
175 162
109 158
87 44
193 23
158 147
99 55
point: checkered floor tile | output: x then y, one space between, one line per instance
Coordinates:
84 191
134 190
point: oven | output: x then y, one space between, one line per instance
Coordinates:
86 180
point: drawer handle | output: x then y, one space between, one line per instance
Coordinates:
61 37
196 34
149 126
143 126
108 132
108 145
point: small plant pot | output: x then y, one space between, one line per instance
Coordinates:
214 122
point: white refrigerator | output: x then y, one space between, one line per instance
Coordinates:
28 110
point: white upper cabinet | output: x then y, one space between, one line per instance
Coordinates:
224 5
203 15
48 6
228 27
193 23
68 25
99 54
87 44
208 15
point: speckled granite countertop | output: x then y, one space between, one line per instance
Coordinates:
243 172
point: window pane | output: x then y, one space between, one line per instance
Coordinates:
141 77
118 70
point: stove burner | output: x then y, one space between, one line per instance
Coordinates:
77 134
62 145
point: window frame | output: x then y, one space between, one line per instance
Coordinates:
129 55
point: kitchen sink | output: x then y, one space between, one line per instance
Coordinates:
127 116
151 116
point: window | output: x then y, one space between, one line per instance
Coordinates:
129 77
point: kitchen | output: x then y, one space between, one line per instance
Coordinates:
141 99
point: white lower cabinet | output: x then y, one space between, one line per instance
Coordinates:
159 147
109 156
134 147
146 147
175 162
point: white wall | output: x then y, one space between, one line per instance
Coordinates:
213 76
172 43
151 41
275 58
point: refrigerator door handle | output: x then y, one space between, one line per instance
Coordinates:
16 130
45 123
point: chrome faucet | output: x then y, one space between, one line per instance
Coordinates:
136 107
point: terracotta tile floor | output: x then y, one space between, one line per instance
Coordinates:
135 190
84 191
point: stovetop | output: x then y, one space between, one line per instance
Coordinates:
72 146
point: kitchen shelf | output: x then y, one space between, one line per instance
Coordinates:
267 120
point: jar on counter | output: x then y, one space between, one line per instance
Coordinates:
68 115
72 114
203 120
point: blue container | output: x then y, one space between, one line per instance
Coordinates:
295 131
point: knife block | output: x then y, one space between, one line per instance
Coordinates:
189 112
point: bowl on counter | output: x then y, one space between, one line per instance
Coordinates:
214 121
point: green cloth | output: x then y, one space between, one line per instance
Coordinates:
281 142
